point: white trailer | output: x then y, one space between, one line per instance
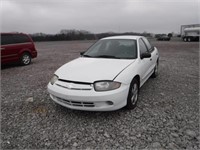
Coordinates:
190 32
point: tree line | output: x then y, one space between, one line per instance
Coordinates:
69 35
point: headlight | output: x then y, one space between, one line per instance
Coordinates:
106 85
54 79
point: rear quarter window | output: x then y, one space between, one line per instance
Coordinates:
20 38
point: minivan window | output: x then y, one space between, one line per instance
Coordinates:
13 39
6 39
20 38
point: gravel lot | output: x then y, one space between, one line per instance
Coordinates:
167 116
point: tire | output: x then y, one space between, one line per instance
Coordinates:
185 39
155 73
25 59
189 39
133 94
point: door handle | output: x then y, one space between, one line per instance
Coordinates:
150 59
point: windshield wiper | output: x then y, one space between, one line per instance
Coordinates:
107 56
87 56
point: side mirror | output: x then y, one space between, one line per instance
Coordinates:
145 55
81 53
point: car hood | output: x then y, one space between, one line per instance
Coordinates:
92 69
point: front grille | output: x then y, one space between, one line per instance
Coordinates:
73 85
76 103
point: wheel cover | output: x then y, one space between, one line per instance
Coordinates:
26 59
134 93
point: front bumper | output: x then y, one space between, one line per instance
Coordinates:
89 100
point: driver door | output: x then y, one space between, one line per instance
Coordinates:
145 63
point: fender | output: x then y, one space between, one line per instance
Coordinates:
124 77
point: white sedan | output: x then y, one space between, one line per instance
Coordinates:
107 76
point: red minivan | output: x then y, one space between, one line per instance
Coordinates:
17 47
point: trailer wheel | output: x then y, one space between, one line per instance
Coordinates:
189 39
185 39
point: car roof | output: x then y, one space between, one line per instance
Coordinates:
11 33
130 37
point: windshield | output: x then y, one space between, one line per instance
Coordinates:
113 48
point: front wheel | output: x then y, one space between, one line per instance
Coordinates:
155 73
133 94
25 59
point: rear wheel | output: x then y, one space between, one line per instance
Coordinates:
133 94
189 39
185 39
25 59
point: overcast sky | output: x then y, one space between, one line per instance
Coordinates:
50 16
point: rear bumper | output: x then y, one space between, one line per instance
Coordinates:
34 54
89 100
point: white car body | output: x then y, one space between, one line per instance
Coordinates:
75 87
